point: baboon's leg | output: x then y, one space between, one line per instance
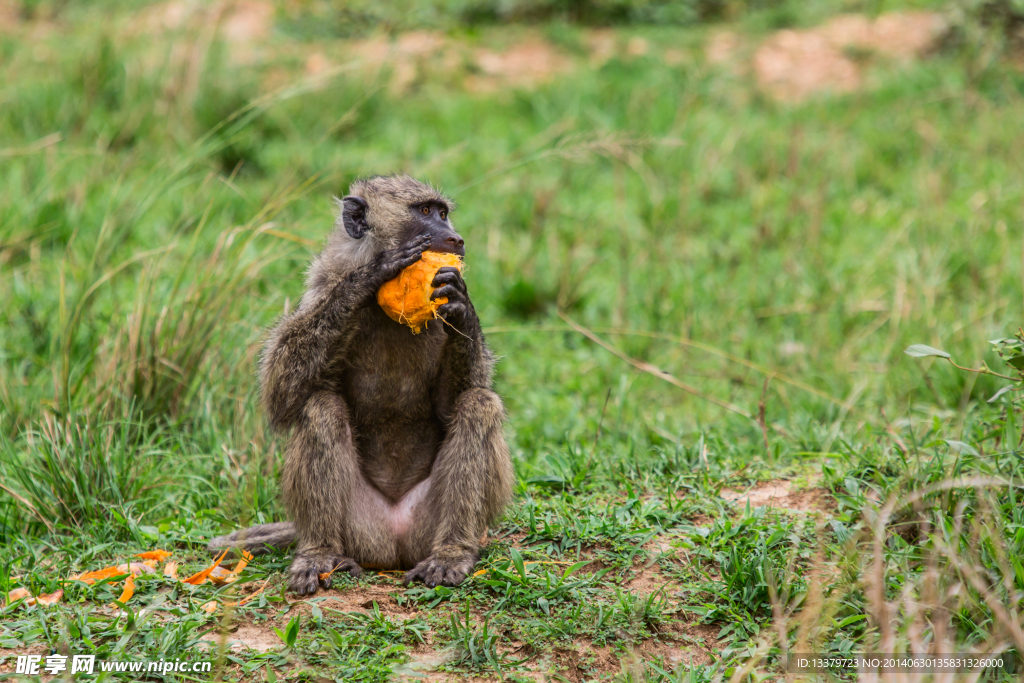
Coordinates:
258 540
470 484
339 520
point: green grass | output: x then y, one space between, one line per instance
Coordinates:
165 190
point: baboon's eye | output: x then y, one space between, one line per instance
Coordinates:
425 210
444 214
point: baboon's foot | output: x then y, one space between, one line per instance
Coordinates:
308 566
443 568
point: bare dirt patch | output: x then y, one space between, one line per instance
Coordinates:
425 660
258 637
361 598
166 16
9 658
244 24
30 22
780 494
602 44
586 661
792 65
415 54
661 545
423 663
410 56
526 65
723 48
673 652
701 520
649 580
9 17
661 548
248 20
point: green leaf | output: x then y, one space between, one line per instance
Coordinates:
923 351
1018 569
574 568
291 632
852 620
1017 362
961 447
336 639
842 532
517 560
999 393
271 676
316 615
543 604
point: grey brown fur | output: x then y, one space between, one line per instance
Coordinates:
397 457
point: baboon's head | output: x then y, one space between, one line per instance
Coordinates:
390 210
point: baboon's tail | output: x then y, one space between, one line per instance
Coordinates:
258 540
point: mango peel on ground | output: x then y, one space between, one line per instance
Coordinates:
406 299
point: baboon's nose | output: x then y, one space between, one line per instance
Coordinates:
449 241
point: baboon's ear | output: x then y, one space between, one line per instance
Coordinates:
353 215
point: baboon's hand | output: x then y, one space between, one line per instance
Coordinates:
441 570
390 263
457 312
304 574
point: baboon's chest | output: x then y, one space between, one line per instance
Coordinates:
388 384
390 373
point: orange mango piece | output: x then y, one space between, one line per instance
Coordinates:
47 600
254 594
158 555
98 574
221 576
326 575
134 568
248 597
129 590
406 299
242 563
200 577
51 599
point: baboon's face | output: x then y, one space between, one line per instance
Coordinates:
394 220
431 218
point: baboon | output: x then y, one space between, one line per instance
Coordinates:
397 457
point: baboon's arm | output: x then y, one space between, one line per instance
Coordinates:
466 362
304 349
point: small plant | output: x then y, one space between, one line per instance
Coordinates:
1011 351
475 647
290 633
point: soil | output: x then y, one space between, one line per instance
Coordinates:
9 19
780 494
258 637
248 21
793 65
9 657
